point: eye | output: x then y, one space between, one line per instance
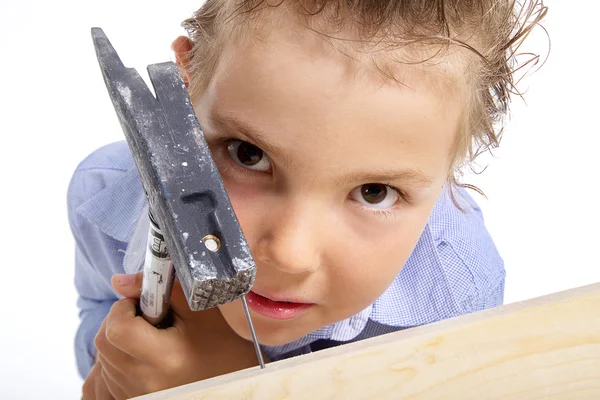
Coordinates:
248 155
375 195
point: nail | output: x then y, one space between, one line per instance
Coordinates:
125 279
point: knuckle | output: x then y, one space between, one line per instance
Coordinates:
174 361
87 390
100 341
113 333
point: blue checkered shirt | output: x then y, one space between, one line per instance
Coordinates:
454 269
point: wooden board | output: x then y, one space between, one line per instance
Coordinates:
544 348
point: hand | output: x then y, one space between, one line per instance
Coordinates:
137 358
94 387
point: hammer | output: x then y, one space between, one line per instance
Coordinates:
194 232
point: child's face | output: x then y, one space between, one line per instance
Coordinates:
310 152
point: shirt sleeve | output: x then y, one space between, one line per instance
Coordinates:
97 257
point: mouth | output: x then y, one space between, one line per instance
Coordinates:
276 309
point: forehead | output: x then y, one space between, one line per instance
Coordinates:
383 57
277 32
303 94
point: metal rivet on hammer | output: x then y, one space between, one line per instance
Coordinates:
212 242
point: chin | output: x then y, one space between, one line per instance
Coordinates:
268 332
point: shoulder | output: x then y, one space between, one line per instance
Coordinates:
98 170
467 260
114 156
105 191
466 249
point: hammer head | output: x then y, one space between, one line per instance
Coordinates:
182 183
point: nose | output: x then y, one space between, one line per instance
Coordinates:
291 238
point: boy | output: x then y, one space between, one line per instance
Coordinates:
339 129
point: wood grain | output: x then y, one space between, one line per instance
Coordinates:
544 348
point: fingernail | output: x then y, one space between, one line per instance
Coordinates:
125 279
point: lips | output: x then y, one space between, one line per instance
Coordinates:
280 310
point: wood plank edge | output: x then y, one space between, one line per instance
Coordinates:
446 324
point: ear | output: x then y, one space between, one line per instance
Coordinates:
182 46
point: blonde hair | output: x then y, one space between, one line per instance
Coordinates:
490 31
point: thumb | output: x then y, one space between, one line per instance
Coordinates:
128 285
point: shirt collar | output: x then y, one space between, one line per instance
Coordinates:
420 293
341 331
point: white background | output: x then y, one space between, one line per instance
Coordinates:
542 184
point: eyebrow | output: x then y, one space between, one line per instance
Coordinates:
258 138
411 176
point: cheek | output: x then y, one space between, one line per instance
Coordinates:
366 271
248 205
234 316
365 265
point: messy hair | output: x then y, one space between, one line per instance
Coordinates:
489 32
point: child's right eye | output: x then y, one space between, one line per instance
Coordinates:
248 156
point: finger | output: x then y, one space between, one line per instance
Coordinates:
100 341
109 355
112 381
94 387
88 390
134 335
115 371
112 357
128 285
102 391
